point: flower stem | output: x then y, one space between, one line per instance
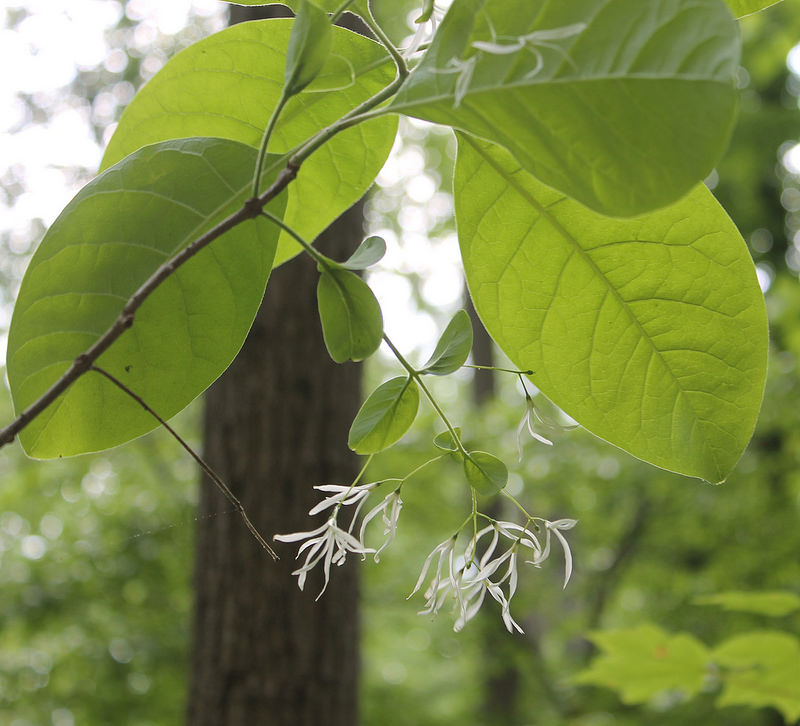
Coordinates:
499 370
414 373
374 26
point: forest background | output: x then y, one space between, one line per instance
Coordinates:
95 552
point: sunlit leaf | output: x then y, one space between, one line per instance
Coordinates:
623 105
385 416
116 232
775 604
453 348
761 669
641 662
227 85
485 473
352 324
651 332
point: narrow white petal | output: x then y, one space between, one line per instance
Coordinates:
297 536
563 523
567 556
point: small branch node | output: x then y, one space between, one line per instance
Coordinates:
253 206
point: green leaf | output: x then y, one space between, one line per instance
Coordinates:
764 669
651 332
385 416
622 105
370 251
453 348
227 85
774 604
485 473
747 7
309 47
641 662
445 442
111 238
352 324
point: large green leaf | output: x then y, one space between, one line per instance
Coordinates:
641 662
651 332
113 235
227 85
746 7
623 105
761 669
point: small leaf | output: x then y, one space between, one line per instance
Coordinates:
106 243
370 251
774 604
485 473
352 324
309 47
444 440
453 348
385 416
764 669
641 662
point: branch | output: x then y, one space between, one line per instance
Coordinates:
229 495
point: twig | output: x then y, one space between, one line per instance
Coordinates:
229 495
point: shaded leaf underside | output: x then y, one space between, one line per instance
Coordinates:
624 116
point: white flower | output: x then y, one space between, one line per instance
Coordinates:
426 29
530 42
531 415
438 590
343 495
555 528
389 509
327 544
495 571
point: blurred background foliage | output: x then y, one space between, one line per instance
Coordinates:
95 552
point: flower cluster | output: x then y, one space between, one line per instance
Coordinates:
467 577
329 543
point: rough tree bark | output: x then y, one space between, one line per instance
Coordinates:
265 653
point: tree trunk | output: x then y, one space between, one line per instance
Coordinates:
276 423
265 653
